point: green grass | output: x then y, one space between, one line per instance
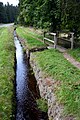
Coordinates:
68 91
6 73
30 39
33 33
75 53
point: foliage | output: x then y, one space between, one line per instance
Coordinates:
6 73
70 15
8 13
38 13
50 14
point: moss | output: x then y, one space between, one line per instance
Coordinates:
42 104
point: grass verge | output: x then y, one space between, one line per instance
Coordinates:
75 53
30 37
6 73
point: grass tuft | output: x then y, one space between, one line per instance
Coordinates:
42 105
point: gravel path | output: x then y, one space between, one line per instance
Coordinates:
72 60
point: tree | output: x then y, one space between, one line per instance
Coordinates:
70 15
39 13
1 12
50 14
8 13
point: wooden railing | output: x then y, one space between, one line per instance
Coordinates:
53 40
60 36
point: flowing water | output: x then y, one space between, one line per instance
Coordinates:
26 108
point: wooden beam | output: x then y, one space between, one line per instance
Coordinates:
49 40
52 34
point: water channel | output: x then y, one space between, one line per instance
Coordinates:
26 108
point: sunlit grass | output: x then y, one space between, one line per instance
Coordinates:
30 40
33 32
6 73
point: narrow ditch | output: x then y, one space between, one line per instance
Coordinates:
27 91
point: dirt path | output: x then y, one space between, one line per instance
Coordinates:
72 60
68 57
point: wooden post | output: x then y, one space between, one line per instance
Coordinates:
55 40
72 40
44 37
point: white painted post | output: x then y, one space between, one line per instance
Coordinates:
72 40
55 41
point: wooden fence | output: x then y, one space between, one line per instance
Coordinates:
60 36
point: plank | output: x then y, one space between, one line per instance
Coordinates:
49 40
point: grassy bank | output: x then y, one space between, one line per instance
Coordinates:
30 37
6 73
66 75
